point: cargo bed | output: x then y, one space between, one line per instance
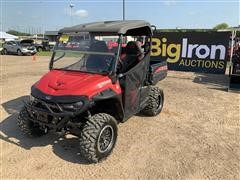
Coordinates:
157 72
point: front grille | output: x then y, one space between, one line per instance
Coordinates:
52 107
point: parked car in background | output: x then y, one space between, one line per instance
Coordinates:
1 48
39 47
44 46
24 47
51 44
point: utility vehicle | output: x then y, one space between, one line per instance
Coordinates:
90 89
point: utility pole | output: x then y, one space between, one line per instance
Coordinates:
123 10
42 18
71 7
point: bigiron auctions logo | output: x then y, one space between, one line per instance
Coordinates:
184 52
191 51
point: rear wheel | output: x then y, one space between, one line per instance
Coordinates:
19 52
98 137
155 102
28 127
39 49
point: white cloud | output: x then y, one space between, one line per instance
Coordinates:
81 13
170 2
78 13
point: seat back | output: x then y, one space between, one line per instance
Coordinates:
133 48
133 55
96 61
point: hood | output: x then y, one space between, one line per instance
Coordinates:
64 83
27 43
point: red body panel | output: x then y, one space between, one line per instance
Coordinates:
61 83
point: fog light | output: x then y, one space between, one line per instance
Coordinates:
76 105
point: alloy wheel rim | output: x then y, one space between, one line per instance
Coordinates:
105 139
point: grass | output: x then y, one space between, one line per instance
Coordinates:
44 53
49 53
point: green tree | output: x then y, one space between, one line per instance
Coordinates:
221 26
17 33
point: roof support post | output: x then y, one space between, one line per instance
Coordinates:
123 10
231 53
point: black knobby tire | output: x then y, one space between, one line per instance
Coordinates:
91 146
39 49
155 102
19 52
28 127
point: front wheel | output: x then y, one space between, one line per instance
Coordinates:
98 137
19 53
155 102
28 127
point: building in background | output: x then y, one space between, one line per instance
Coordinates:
51 35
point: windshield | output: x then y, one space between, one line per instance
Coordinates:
85 52
16 42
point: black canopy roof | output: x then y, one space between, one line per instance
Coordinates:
132 27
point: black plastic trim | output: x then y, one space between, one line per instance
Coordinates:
59 99
106 94
109 96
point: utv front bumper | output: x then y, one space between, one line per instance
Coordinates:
47 119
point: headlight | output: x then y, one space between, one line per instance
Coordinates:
24 49
77 105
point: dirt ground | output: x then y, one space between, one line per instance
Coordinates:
196 135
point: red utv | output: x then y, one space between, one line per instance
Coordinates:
90 89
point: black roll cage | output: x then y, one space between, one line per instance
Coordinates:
145 30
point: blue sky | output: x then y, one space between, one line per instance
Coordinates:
40 15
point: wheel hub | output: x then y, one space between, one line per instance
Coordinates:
105 139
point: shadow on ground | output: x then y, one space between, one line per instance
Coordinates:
64 147
218 81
